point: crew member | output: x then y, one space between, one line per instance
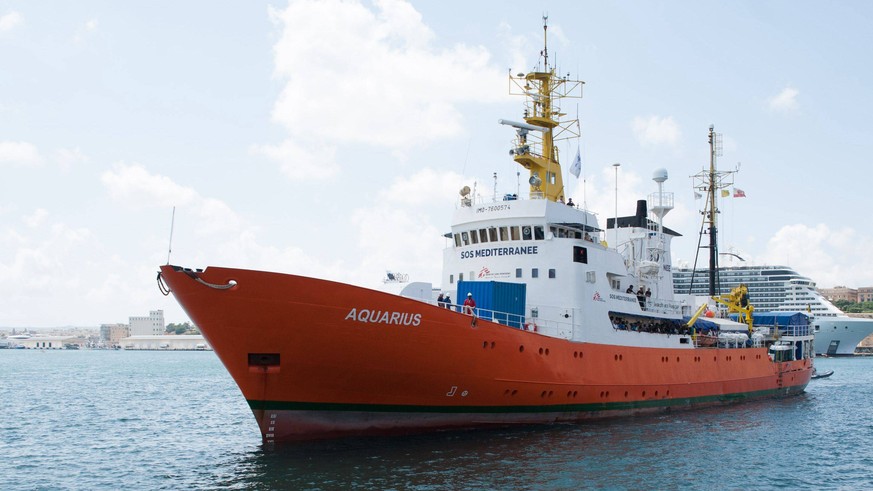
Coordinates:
469 304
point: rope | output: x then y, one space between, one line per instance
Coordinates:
165 290
192 274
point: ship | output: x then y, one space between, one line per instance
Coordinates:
783 289
555 318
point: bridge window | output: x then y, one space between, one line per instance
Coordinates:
457 240
513 232
492 234
504 233
538 233
474 237
483 235
535 273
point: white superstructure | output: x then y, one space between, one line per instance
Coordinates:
782 289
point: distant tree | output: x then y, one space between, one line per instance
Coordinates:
843 304
853 307
183 328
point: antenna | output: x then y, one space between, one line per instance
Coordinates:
545 41
495 187
172 224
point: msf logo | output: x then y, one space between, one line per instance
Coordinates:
484 272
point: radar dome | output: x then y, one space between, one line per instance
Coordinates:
660 175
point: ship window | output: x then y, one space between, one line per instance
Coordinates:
554 231
451 279
460 276
513 231
492 234
551 273
483 236
518 275
457 240
465 237
535 273
504 233
474 237
580 255
526 232
538 233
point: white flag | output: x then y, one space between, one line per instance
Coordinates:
576 168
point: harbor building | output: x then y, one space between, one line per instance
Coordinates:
168 342
112 334
153 325
840 293
865 294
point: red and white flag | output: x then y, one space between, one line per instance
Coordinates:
739 193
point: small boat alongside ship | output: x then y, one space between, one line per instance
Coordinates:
566 327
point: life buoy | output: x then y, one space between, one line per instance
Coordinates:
530 326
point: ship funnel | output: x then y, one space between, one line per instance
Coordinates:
642 213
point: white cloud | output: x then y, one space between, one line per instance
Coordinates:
361 77
134 186
656 131
19 153
425 187
829 256
10 21
36 219
299 163
785 101
69 157
88 27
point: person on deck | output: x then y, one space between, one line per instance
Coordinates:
570 202
441 301
447 301
469 304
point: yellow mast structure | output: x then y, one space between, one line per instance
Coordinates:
534 146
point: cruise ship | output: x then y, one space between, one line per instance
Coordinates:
782 289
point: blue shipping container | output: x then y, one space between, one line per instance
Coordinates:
495 300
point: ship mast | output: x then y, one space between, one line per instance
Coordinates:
534 146
711 181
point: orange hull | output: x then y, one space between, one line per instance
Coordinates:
317 359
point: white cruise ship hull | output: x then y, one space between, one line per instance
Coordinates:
839 336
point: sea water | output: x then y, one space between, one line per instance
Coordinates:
175 420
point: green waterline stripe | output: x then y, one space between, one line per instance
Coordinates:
256 405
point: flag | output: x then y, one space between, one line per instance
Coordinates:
697 195
725 193
576 168
739 193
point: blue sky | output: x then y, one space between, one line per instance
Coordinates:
330 138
